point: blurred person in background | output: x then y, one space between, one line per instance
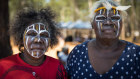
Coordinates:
106 57
63 55
33 31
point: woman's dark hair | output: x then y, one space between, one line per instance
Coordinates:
27 17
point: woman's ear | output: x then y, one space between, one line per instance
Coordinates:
21 47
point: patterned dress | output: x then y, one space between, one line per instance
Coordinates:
126 67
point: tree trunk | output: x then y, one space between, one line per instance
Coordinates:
5 48
90 3
76 10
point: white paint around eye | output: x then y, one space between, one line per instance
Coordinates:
39 31
99 28
100 11
118 28
118 22
47 43
37 54
107 12
117 12
26 46
99 16
32 54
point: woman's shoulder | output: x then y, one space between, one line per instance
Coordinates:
8 61
131 45
132 48
81 46
52 60
77 50
9 58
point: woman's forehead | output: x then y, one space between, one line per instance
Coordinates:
37 27
106 12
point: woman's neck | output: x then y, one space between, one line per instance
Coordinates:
106 43
31 60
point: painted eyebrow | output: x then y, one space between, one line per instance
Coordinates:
31 30
100 15
45 32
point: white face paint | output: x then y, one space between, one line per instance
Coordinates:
36 39
104 16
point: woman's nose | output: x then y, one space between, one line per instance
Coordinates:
108 21
37 39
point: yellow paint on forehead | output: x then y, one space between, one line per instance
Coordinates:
114 11
37 27
99 9
114 8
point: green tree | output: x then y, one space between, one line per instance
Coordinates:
17 5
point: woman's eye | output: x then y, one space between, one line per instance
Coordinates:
31 34
115 18
100 18
46 35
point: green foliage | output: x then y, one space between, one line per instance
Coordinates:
70 10
67 10
16 5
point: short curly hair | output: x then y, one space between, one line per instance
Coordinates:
26 17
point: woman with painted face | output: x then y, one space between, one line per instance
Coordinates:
105 57
33 31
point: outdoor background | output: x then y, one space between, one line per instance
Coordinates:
73 18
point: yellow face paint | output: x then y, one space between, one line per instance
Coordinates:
104 11
24 36
103 8
101 25
36 27
99 9
114 11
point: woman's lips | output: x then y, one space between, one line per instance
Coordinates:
37 49
108 29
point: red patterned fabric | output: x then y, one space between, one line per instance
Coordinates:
13 67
